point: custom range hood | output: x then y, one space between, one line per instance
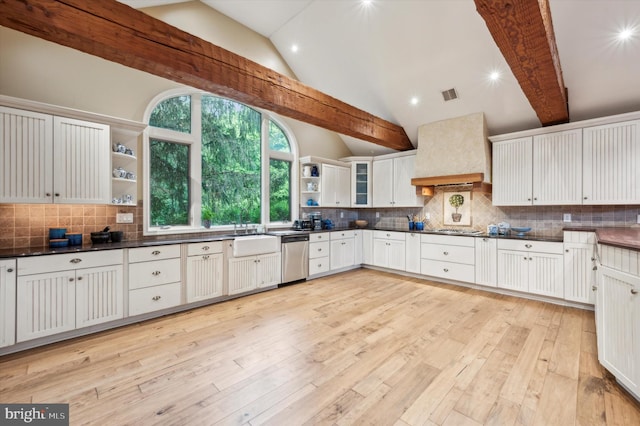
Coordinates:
453 152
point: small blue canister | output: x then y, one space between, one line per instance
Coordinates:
57 233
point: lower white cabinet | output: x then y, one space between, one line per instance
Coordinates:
252 272
357 247
56 294
579 271
389 249
618 325
486 251
341 249
367 247
319 249
154 278
205 271
448 256
412 253
534 267
7 302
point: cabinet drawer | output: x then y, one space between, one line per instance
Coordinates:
318 250
453 240
68 261
151 299
144 254
318 265
449 270
195 249
388 235
528 245
319 236
340 235
147 274
446 253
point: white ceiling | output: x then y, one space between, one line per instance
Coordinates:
378 57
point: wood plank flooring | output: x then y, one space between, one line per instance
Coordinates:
363 347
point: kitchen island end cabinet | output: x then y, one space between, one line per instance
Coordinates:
63 292
205 271
7 302
618 315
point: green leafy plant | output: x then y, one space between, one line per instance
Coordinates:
207 213
456 200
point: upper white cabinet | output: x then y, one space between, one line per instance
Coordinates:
53 159
336 191
392 176
360 180
579 165
611 162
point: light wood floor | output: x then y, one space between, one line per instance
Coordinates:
364 347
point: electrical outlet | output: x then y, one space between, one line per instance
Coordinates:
341 215
124 217
427 216
638 220
377 215
566 217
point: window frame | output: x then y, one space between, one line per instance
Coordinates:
194 139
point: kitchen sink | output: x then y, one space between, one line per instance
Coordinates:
249 245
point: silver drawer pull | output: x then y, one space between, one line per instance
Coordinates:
634 291
319 249
156 298
594 288
79 278
155 273
446 253
155 252
205 248
595 268
10 270
75 260
528 245
205 257
70 279
446 270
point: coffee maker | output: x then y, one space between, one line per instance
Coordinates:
316 221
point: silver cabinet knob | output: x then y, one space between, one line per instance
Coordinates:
155 273
634 291
156 298
155 252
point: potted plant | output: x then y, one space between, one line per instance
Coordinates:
456 200
207 216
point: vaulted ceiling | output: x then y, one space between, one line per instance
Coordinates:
382 56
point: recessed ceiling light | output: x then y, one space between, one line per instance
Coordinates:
625 34
414 100
366 3
294 48
494 76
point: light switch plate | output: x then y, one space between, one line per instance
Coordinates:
566 217
638 220
124 217
427 216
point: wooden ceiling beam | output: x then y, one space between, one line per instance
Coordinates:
119 33
523 30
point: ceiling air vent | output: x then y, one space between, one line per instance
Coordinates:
450 94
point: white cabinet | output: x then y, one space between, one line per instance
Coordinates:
205 271
412 253
392 176
618 325
512 172
154 278
389 249
319 249
336 188
361 183
486 252
448 256
357 247
531 266
53 159
367 247
579 272
7 302
67 291
342 246
611 163
252 272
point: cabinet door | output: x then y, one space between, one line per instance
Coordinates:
611 163
357 248
617 310
380 252
342 185
361 184
383 183
81 172
513 270
342 253
269 270
242 274
557 168
26 152
367 247
404 194
546 274
412 253
512 172
486 269
7 302
396 254
204 277
99 295
46 305
579 275
327 183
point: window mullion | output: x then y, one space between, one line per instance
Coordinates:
195 161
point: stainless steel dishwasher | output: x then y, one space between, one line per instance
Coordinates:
295 257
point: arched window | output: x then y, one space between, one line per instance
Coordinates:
211 162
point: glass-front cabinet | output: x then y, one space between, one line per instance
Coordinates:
360 181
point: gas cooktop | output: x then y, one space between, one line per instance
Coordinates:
457 231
